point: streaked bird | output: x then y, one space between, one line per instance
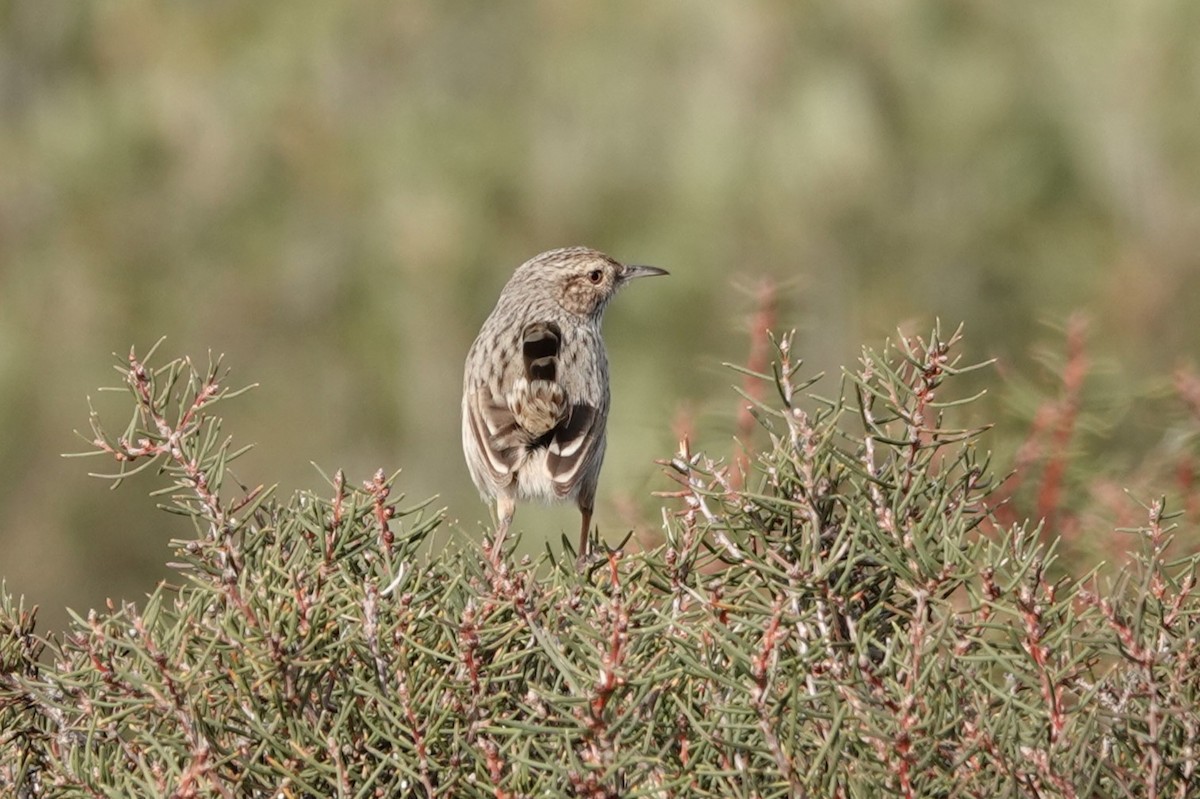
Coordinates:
535 388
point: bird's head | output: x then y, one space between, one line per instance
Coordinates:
582 280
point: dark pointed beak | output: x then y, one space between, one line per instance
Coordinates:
633 270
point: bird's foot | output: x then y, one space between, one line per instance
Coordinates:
595 551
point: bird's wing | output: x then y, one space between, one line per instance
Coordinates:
534 412
564 425
498 438
572 448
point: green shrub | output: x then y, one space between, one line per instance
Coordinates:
846 618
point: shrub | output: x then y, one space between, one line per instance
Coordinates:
842 613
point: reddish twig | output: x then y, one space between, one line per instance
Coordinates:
758 360
1066 415
379 490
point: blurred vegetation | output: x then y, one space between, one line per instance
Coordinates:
333 195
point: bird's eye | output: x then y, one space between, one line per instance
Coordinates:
595 275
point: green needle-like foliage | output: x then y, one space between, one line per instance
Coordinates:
839 616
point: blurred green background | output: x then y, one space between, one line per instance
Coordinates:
332 195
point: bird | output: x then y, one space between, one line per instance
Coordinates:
535 385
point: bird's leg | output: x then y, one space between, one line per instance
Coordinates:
586 513
506 506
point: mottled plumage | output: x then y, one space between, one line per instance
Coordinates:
535 387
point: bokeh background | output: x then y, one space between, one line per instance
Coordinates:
332 196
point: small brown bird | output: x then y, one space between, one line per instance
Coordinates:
535 387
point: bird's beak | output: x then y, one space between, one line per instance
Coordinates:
632 270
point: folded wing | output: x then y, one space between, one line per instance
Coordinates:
534 413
